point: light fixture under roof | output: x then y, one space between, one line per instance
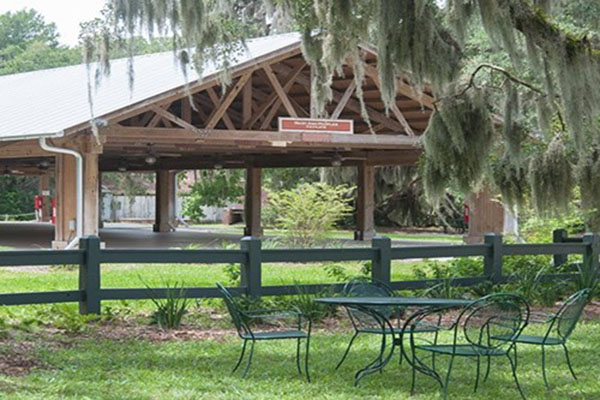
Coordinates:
218 166
150 158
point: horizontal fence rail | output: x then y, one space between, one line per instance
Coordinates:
90 258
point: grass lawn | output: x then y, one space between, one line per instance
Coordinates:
97 366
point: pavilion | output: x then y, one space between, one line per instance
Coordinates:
160 126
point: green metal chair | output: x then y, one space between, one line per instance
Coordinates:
485 328
364 322
288 324
560 327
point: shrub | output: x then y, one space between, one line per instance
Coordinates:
67 317
309 211
170 310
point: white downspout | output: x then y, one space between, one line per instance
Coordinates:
79 185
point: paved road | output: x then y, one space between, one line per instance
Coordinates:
25 235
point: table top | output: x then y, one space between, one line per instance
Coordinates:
394 301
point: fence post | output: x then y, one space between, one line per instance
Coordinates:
251 273
592 250
492 264
559 236
89 275
381 268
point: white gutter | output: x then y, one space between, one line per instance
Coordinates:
79 185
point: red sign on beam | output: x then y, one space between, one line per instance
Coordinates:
316 125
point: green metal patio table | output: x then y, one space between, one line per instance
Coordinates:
369 305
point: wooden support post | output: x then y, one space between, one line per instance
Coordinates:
559 236
365 203
592 251
382 264
247 104
89 275
165 209
492 263
251 273
252 204
66 200
91 197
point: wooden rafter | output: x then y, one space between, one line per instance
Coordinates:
344 100
226 101
281 92
215 100
173 118
247 104
186 109
289 80
372 73
352 104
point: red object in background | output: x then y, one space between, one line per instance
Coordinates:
53 204
38 202
466 214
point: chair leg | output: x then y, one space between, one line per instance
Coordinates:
487 371
513 366
414 373
447 382
347 350
380 358
298 357
249 360
306 355
241 357
478 373
544 367
569 361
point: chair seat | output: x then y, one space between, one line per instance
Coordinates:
276 335
529 339
461 350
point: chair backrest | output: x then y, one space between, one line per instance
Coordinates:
493 321
364 288
569 313
236 314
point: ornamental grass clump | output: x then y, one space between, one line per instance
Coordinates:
170 309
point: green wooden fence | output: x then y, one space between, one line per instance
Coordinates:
90 258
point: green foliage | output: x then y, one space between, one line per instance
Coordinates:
215 188
67 317
588 277
309 211
525 274
171 309
305 303
447 272
28 43
16 195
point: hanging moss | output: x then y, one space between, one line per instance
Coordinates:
587 173
511 181
551 177
457 144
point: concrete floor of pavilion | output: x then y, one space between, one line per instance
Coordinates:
29 235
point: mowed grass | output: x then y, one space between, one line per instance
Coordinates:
94 368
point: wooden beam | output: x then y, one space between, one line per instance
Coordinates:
172 117
289 80
344 100
186 109
91 198
226 101
280 91
216 101
247 104
124 134
372 73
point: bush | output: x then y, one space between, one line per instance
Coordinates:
309 211
215 188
